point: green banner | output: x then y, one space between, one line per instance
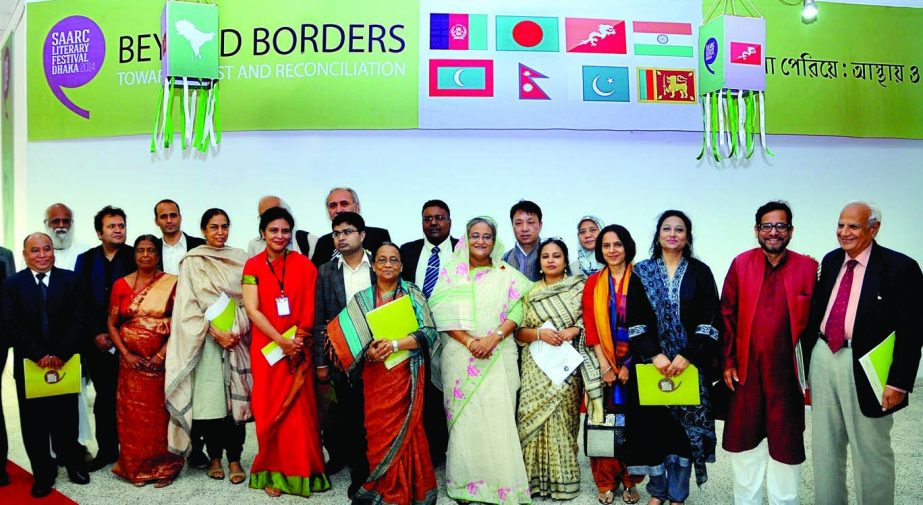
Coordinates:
286 64
6 128
855 71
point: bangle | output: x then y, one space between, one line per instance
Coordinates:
468 343
162 358
394 347
606 370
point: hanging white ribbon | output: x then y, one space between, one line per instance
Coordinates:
161 131
210 117
741 116
727 94
720 124
762 99
708 151
189 115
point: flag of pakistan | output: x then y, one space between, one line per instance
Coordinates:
192 39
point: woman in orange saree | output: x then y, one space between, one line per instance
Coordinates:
140 307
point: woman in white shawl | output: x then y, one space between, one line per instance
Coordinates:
208 378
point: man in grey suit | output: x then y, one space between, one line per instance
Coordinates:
337 281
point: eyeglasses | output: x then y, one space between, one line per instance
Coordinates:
487 237
779 227
344 233
438 219
385 261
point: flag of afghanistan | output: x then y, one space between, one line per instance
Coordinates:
518 33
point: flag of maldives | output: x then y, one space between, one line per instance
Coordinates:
595 36
463 78
518 33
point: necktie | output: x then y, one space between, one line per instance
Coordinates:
835 330
432 272
43 310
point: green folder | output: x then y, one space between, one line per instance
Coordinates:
655 389
393 321
222 313
877 363
42 382
272 352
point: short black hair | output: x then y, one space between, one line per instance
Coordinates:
527 207
656 249
349 218
273 213
627 242
558 242
389 244
166 200
150 238
209 214
437 203
107 211
772 206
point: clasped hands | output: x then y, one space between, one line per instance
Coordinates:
52 362
556 338
670 369
380 349
135 362
482 348
225 339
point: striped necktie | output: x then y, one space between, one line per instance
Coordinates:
432 272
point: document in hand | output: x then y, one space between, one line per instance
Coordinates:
222 313
655 389
558 362
877 363
42 382
272 352
393 321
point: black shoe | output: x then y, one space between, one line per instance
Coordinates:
4 478
78 476
353 489
100 462
334 466
197 459
40 490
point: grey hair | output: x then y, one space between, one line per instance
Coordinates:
351 192
481 219
874 211
282 202
59 204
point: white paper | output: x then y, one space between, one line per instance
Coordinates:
215 309
274 356
558 362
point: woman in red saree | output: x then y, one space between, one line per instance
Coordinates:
139 325
278 292
398 452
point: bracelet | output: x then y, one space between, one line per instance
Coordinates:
606 370
394 347
162 358
468 344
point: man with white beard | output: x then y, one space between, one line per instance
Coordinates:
59 221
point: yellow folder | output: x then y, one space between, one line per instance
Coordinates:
42 382
393 321
655 389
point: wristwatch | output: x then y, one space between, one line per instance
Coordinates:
394 347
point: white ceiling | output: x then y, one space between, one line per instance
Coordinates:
6 10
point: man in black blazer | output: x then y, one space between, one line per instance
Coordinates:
865 292
174 242
7 268
337 281
422 259
341 200
43 318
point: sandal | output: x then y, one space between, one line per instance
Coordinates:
605 498
237 473
140 484
162 483
214 470
273 492
631 495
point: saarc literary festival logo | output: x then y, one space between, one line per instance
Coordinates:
7 75
73 54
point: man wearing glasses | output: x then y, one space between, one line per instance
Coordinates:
59 221
341 200
765 304
343 427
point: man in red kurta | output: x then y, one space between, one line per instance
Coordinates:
765 304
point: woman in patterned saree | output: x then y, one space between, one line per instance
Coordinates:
398 451
139 325
549 414
684 297
477 304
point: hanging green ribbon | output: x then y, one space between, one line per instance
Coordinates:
216 115
199 118
732 121
182 111
168 130
714 125
749 122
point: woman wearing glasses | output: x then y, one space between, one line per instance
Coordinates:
393 375
477 304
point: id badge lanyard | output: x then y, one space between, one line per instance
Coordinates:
282 306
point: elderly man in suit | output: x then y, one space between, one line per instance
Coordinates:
7 268
43 319
341 200
337 281
865 293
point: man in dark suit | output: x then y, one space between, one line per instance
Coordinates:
99 268
341 200
43 319
174 242
337 281
436 248
7 268
865 292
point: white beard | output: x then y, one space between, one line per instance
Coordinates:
61 238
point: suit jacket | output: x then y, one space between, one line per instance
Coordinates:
741 294
191 243
7 264
91 267
891 297
329 301
374 237
21 317
410 258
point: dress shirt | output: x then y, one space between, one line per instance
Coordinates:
45 281
67 258
858 277
356 279
445 254
173 253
